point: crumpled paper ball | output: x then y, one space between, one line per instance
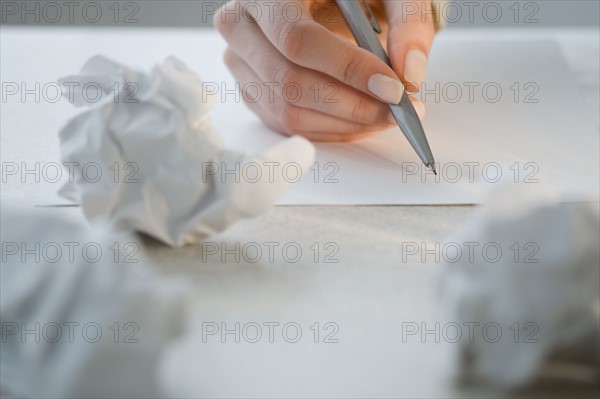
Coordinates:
147 159
546 280
84 314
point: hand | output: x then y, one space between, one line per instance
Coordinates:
303 74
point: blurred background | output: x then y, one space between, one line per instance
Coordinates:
198 13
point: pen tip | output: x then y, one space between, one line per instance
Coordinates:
432 167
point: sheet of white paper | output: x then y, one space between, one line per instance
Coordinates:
498 112
549 142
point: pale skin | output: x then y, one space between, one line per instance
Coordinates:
335 91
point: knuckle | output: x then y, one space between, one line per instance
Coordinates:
249 99
220 21
287 75
249 96
292 40
290 117
221 25
362 111
348 69
229 57
273 124
413 18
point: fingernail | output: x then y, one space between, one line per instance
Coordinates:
420 108
415 68
387 89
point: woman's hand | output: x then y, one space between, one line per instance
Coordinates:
303 74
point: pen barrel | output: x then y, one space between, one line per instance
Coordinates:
404 113
361 28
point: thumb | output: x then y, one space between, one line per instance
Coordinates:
411 33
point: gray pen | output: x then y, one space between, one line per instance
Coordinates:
364 30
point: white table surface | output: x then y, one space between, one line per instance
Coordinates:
369 293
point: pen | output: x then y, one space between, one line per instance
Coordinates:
364 31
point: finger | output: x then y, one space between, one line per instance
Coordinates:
289 119
419 107
312 89
409 40
290 28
